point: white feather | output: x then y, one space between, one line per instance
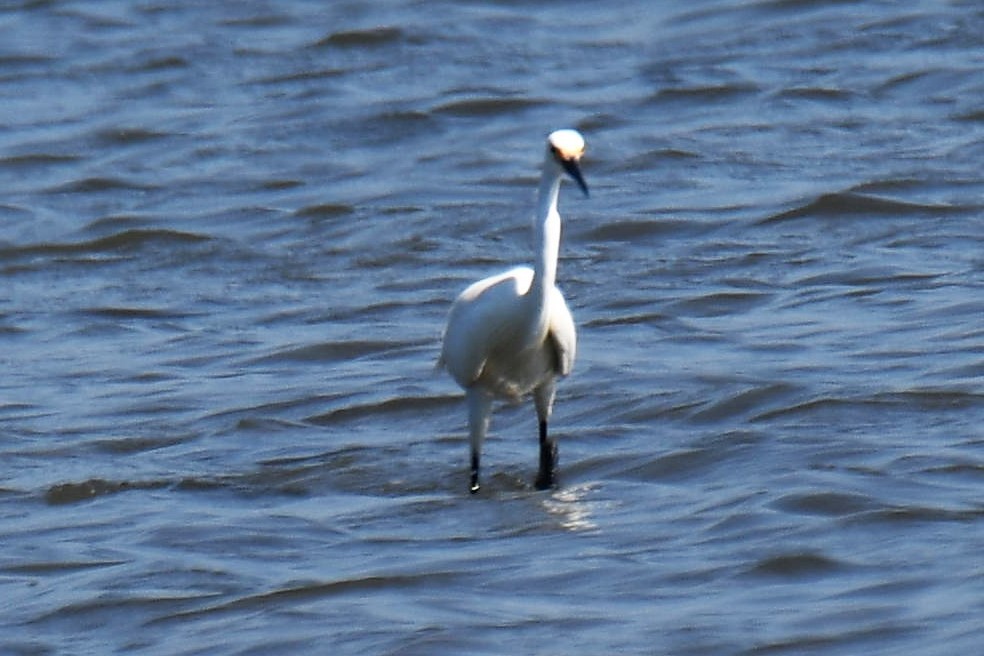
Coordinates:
511 335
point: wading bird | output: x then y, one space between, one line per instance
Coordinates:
511 335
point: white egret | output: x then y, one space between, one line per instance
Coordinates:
511 335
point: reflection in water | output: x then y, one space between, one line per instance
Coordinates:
572 509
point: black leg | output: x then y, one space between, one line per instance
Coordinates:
474 474
548 460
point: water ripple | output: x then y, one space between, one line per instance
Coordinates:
230 236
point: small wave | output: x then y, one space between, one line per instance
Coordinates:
59 567
330 351
10 330
390 471
118 312
843 204
300 76
258 20
126 240
928 82
8 61
280 184
248 484
387 406
70 493
324 211
391 126
99 184
796 565
31 160
915 514
971 116
373 37
718 304
303 592
745 402
161 64
130 136
479 107
115 223
706 93
822 94
633 230
928 399
17 409
887 185
645 318
683 464
131 445
969 370
867 276
934 399
833 504
653 158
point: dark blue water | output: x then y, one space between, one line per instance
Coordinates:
229 237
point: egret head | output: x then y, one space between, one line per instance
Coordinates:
566 147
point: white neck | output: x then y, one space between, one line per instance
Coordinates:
546 234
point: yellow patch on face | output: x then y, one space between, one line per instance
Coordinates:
569 154
568 144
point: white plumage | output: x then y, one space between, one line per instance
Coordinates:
511 335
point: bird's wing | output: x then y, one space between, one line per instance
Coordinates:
562 332
478 319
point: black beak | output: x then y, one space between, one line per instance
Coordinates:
570 165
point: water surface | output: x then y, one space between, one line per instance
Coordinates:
229 236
